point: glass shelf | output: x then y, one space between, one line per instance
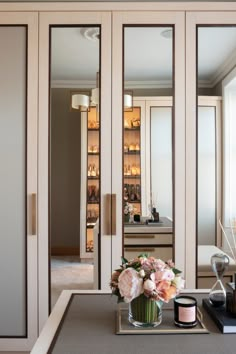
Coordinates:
132 129
137 152
93 178
131 177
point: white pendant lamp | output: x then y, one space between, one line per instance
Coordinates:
80 102
127 101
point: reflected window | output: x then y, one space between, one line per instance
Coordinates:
216 48
161 159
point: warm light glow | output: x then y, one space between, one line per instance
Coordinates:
95 96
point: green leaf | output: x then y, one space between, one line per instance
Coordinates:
143 255
124 260
135 265
176 271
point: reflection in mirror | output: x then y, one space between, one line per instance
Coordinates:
206 175
216 199
74 158
161 155
147 138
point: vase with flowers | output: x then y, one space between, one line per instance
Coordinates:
146 283
128 211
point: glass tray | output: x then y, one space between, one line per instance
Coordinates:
166 327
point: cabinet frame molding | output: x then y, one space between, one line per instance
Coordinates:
118 6
48 19
151 18
192 20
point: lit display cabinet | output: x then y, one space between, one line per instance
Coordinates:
90 177
132 159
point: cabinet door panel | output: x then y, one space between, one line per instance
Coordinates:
18 161
75 186
138 70
210 86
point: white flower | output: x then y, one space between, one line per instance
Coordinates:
178 281
142 273
149 285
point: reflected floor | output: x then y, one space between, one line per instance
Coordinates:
67 272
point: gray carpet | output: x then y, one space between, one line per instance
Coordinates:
68 273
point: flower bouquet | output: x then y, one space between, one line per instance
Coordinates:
128 210
146 283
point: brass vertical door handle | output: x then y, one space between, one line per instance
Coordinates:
33 214
113 214
110 214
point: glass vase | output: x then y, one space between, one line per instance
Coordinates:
144 312
126 218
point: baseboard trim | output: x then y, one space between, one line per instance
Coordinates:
65 251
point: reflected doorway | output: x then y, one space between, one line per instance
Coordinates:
74 181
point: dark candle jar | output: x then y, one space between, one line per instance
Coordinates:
185 311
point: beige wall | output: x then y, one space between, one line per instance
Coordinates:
65 172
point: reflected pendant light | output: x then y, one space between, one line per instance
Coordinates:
127 101
80 101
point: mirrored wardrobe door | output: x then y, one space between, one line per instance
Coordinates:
148 64
18 175
210 142
74 164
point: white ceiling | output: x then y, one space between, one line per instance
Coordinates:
148 56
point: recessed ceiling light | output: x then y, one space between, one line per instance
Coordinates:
91 33
167 33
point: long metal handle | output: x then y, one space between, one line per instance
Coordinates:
134 249
139 236
113 214
34 214
110 214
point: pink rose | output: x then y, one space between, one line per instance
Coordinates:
152 263
159 264
165 274
168 274
170 263
130 284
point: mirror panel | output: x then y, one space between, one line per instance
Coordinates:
147 140
161 159
74 157
13 172
215 65
206 178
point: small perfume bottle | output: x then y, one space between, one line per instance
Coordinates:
94 171
89 170
133 170
217 295
128 171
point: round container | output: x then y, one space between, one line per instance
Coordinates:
185 309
